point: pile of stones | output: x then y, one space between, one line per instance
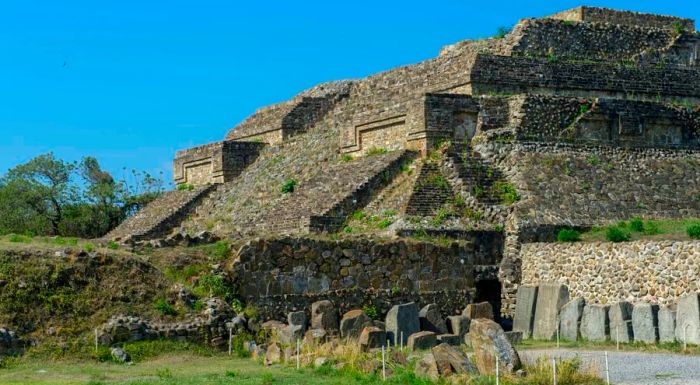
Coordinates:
543 311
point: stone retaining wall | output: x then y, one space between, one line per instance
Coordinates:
603 272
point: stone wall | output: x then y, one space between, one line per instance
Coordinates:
290 273
612 16
604 272
504 74
214 163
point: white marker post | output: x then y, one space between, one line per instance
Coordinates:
617 337
554 371
498 380
401 340
557 336
95 340
383 365
230 340
298 363
685 337
607 369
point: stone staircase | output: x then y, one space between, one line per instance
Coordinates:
430 192
323 203
475 176
159 217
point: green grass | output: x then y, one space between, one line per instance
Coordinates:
658 229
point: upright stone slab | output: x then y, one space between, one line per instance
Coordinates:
431 319
402 320
489 340
478 310
353 322
688 319
645 322
620 315
372 337
595 324
298 318
524 317
570 319
458 325
324 316
550 299
667 324
421 341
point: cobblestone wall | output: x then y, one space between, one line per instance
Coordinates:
613 16
215 162
604 272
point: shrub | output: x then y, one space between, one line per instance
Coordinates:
637 225
289 186
693 231
347 229
507 193
439 181
568 235
359 215
214 286
371 311
89 247
376 151
440 216
651 228
185 187
237 305
164 308
384 223
198 305
20 238
219 250
678 27
346 158
616 234
72 241
112 245
501 32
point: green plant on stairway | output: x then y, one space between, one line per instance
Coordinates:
289 185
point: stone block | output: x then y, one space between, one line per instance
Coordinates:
514 337
431 319
298 318
478 310
645 322
595 324
688 319
570 319
667 324
550 299
353 322
488 340
450 360
458 324
273 355
450 339
324 316
402 321
372 337
289 334
316 336
524 317
421 340
620 315
426 367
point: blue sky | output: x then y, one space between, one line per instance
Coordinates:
130 82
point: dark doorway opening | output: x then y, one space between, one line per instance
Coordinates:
489 290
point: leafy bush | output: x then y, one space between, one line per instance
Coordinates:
651 228
219 250
438 181
376 151
185 187
501 32
237 305
616 234
347 229
359 215
20 238
112 245
346 158
238 344
89 247
384 223
636 224
507 193
568 235
371 311
213 285
440 216
289 186
693 231
163 307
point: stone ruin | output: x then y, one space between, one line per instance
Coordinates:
578 119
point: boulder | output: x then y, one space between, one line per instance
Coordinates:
315 336
458 325
426 367
570 319
524 317
431 319
478 310
645 322
298 318
402 320
372 337
273 355
488 340
320 361
119 355
324 316
421 341
620 315
514 337
667 324
550 298
450 339
289 334
450 360
688 319
595 325
352 323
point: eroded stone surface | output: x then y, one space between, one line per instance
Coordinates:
550 298
431 319
570 319
402 321
524 317
645 322
595 324
488 340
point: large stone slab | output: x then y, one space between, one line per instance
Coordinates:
478 310
570 319
595 324
289 334
324 316
421 340
450 360
298 318
645 322
372 337
458 325
431 319
550 298
620 315
352 324
488 340
524 317
402 321
688 319
667 324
